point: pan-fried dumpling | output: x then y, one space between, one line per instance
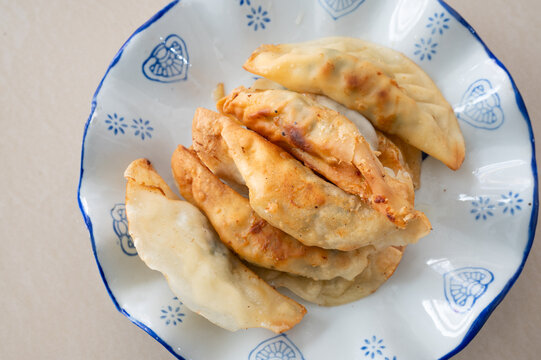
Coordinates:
251 237
174 238
292 198
325 141
214 154
424 119
382 265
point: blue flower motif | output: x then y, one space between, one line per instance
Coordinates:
172 314
247 2
482 208
258 18
115 123
142 128
389 358
511 202
373 347
438 23
426 49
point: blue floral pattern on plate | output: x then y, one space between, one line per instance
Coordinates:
276 348
438 23
339 8
120 227
258 18
481 107
511 203
116 124
171 314
168 62
465 285
482 208
142 128
374 348
425 49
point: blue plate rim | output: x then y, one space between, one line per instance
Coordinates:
481 318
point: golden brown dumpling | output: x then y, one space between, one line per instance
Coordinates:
325 141
251 237
292 198
424 120
174 238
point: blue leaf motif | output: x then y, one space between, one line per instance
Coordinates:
339 8
464 286
480 106
120 227
276 348
168 62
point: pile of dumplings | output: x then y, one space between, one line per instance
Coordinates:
289 185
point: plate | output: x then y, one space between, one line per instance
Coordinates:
483 215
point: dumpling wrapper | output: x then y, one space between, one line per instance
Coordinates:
325 141
408 104
382 265
175 238
398 155
251 237
292 198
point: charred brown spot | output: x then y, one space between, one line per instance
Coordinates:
327 68
379 199
391 217
257 226
394 83
261 113
383 95
355 82
296 136
379 72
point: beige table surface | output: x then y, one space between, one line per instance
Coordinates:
52 301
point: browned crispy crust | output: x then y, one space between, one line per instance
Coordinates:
325 141
140 172
251 237
365 87
213 152
292 198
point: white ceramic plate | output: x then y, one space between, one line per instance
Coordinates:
483 215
